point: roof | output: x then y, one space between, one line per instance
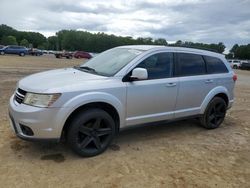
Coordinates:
142 47
171 48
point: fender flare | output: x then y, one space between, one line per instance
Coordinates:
211 95
91 97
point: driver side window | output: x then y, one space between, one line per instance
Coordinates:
158 65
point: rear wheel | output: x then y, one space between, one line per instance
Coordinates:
91 132
21 54
214 114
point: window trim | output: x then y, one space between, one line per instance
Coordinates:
178 65
217 59
128 74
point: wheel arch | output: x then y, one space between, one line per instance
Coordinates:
220 91
110 109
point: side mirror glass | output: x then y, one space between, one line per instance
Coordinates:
139 74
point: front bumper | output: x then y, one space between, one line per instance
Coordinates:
42 121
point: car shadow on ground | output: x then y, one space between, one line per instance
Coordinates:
128 136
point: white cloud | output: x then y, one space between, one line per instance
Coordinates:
196 20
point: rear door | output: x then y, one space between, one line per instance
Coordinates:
194 84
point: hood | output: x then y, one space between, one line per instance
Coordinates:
50 81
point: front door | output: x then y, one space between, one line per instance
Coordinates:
153 99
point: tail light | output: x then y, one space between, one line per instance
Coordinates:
235 77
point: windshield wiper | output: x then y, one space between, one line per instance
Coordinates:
88 69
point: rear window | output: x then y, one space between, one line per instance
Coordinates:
190 64
215 65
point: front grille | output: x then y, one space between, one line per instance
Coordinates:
19 95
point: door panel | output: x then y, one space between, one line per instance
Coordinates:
192 92
151 100
194 84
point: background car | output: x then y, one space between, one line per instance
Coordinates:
1 46
67 55
13 49
82 54
35 52
245 65
235 64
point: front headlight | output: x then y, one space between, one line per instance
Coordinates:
40 100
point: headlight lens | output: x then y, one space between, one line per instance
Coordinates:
40 100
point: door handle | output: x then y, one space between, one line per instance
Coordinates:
170 84
209 81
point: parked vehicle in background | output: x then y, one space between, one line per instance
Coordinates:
68 55
45 51
122 87
1 46
243 61
13 49
245 65
82 54
35 52
235 64
51 52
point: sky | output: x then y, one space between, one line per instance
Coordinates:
208 21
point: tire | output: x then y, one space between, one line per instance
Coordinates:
235 67
22 54
214 114
2 53
91 132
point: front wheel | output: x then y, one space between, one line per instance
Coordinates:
91 132
22 54
214 114
2 53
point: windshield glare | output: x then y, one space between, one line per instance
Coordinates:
110 62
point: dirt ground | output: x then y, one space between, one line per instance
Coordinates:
180 154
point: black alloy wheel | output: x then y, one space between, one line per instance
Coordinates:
214 114
91 132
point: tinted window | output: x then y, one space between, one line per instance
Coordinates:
158 65
190 64
215 65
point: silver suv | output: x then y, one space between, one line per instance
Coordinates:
121 87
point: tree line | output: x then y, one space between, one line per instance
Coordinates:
239 52
73 40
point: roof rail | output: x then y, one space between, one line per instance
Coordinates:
194 47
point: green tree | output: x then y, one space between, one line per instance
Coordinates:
241 52
52 43
24 42
9 40
160 41
234 48
178 43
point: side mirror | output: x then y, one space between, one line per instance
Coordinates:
139 74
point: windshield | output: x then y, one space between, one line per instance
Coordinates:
110 62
